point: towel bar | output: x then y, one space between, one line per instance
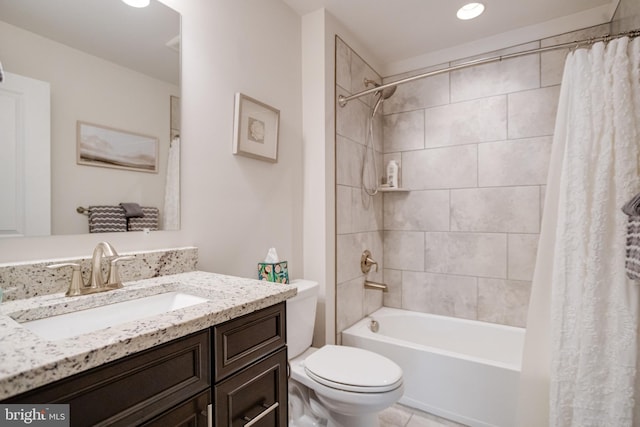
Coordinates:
83 211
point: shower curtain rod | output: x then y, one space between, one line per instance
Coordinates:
343 100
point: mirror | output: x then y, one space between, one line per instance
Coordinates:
107 64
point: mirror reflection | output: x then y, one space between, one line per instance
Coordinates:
102 63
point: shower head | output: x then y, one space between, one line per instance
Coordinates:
387 92
382 94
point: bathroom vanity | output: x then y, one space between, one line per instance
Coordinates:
221 362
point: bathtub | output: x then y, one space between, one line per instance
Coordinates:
463 370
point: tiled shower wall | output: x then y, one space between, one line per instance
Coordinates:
473 147
358 216
627 16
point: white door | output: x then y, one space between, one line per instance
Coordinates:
25 165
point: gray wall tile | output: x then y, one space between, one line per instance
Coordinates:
404 250
419 94
426 210
469 254
366 211
349 248
497 209
343 209
454 167
393 296
349 303
522 256
360 70
467 122
372 300
349 155
343 64
440 294
503 301
533 112
403 131
498 78
552 62
516 162
351 120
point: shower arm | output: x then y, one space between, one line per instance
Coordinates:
343 100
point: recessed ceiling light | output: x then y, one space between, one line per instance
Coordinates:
470 11
137 3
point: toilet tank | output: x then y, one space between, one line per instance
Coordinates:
301 317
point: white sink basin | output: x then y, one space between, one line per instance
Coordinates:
81 322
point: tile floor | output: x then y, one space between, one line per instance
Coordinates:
403 416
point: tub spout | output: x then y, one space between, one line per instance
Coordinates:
368 284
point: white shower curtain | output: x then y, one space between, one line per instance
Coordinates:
581 349
171 218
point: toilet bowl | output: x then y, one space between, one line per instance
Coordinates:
336 386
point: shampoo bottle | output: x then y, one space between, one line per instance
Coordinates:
392 173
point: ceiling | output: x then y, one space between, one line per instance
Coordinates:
134 38
396 30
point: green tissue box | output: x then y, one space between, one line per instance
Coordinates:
273 272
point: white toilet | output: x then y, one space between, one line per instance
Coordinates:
336 386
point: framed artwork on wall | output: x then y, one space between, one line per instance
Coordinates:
112 148
255 131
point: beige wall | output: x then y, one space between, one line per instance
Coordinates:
233 208
90 89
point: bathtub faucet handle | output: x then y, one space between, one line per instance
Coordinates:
366 262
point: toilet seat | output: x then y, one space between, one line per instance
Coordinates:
353 369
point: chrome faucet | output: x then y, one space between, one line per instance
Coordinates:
96 278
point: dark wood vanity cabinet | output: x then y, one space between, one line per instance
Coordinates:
241 365
135 389
250 359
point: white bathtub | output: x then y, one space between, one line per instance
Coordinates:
463 370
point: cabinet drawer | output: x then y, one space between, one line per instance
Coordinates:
242 341
133 389
192 413
257 391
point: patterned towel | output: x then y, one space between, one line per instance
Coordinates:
150 220
632 261
632 207
106 219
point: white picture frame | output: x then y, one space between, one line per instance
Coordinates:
256 126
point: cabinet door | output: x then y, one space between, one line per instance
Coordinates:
192 413
134 389
240 342
255 396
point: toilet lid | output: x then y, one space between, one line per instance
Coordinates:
353 369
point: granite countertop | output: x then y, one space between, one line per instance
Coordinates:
28 361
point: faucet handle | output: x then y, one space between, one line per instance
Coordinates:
366 262
114 274
77 283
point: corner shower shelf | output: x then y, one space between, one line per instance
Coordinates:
392 190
